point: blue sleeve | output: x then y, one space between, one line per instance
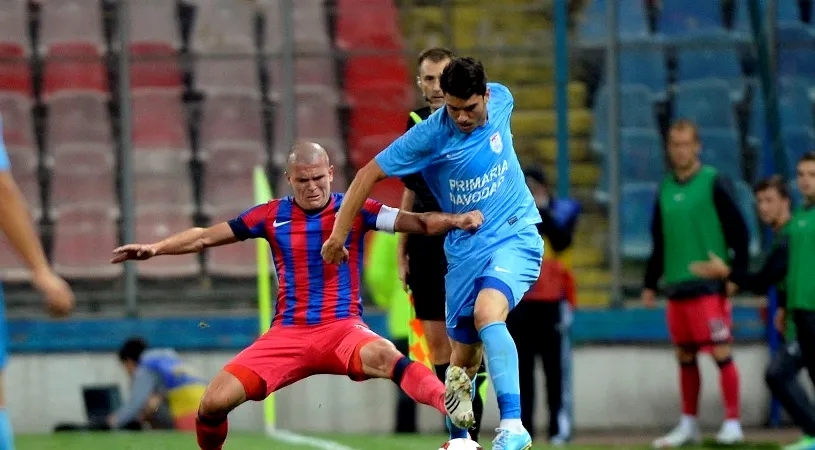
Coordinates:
413 151
5 165
251 224
145 383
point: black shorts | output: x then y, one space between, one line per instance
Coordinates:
427 268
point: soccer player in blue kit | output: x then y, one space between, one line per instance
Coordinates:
465 153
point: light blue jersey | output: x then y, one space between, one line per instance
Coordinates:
5 166
475 171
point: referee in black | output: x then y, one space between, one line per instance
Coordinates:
422 263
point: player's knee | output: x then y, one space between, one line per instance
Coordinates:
223 394
378 358
490 309
721 353
685 355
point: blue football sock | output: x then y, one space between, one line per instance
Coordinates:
502 359
455 432
6 433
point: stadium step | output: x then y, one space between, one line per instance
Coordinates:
543 96
580 174
518 69
543 123
499 26
546 149
593 298
583 257
592 277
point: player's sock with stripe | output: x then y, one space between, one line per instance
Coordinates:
441 370
211 431
502 357
729 381
6 433
419 383
478 401
690 381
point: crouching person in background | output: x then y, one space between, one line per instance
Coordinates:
164 392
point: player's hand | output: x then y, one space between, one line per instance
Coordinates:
403 263
648 297
138 252
713 268
731 288
780 320
469 221
334 251
58 295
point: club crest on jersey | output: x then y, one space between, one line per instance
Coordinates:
496 144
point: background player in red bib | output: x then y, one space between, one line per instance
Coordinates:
317 327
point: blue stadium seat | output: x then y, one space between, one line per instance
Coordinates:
631 26
706 103
794 104
683 20
645 66
721 149
790 28
797 141
757 121
717 63
747 205
795 194
636 111
642 160
636 213
796 62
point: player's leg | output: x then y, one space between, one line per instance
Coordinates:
687 431
527 337
405 406
224 393
782 380
435 332
550 349
716 315
805 331
6 432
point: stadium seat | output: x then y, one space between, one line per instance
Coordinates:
155 224
373 121
17 123
311 27
794 104
74 70
756 121
721 149
354 30
221 76
224 189
797 142
12 268
747 206
15 77
231 261
82 177
632 24
796 62
25 170
683 21
636 213
317 118
164 190
636 111
389 191
232 122
642 157
390 69
224 26
789 27
795 194
71 22
78 120
159 122
154 23
14 28
718 63
83 240
367 147
645 66
311 74
706 103
154 66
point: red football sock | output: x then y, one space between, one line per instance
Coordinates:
419 383
211 432
729 381
691 382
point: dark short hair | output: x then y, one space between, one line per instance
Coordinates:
132 349
463 78
776 182
807 157
435 54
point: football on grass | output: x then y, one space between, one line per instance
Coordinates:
461 444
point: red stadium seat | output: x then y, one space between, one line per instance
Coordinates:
154 66
161 162
226 189
311 74
70 73
223 26
153 23
14 28
79 119
373 121
309 24
317 118
235 260
159 121
354 30
173 190
155 224
15 76
389 191
221 76
363 150
25 169
83 241
71 22
230 121
83 178
18 126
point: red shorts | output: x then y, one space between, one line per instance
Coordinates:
700 322
287 354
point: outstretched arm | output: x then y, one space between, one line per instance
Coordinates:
193 240
436 222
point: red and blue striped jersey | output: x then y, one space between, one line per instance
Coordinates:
310 291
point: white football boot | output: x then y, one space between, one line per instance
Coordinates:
458 397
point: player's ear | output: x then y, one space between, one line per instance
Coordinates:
487 95
288 177
330 174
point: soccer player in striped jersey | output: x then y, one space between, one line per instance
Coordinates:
317 327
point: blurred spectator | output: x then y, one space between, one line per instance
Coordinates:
539 324
165 392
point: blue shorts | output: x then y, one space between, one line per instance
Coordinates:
3 332
512 268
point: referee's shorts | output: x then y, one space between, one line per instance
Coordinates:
427 267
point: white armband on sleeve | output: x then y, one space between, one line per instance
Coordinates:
386 219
